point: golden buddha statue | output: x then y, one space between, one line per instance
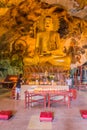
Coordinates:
48 48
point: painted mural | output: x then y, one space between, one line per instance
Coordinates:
36 36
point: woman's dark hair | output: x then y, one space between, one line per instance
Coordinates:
20 76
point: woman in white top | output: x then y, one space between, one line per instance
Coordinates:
69 82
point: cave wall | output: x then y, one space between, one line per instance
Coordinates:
21 21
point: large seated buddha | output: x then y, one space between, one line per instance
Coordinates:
48 48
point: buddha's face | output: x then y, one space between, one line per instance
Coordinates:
48 24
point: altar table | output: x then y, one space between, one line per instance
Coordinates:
46 92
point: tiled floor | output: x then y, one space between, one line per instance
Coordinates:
28 119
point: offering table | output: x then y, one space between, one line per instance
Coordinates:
47 93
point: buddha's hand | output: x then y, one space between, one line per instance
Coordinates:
58 52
